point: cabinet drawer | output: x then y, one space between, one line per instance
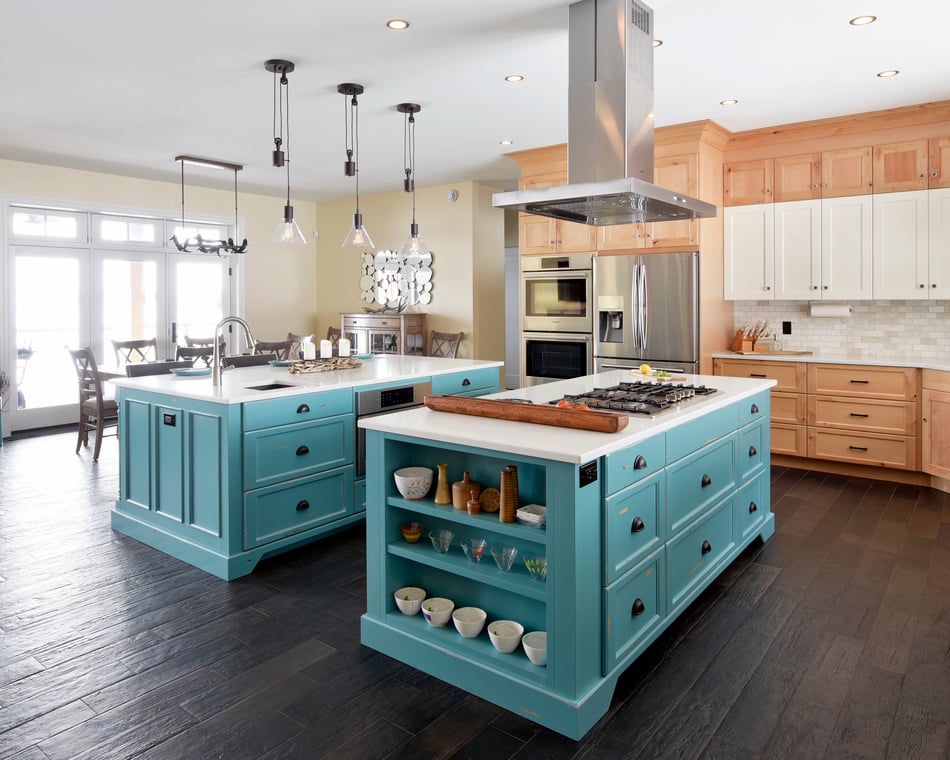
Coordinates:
752 449
293 451
698 551
789 375
751 507
754 408
788 439
698 481
894 383
935 380
300 408
485 380
876 449
691 436
635 463
864 414
295 506
633 606
632 525
789 407
372 322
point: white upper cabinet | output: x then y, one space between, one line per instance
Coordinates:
846 250
901 270
797 250
939 223
749 253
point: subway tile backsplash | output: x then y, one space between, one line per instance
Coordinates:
874 328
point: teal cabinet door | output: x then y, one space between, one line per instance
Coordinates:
698 552
633 525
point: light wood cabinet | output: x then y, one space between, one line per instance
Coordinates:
385 333
874 382
939 158
935 423
900 166
540 235
797 178
747 182
846 172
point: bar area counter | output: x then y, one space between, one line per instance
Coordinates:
221 477
638 523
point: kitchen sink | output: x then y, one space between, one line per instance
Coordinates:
269 386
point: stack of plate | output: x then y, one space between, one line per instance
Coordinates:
532 514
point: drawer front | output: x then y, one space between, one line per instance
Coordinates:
698 551
789 375
359 495
293 451
698 481
935 380
751 507
874 449
752 449
302 408
633 607
373 323
635 463
790 408
892 383
754 408
295 506
868 415
484 379
789 439
691 436
633 525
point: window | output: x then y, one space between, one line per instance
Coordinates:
128 230
48 224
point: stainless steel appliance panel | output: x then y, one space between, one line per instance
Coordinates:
372 402
557 293
547 357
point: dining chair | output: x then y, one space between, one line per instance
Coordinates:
297 341
197 356
333 335
247 360
191 342
279 347
141 369
129 351
97 407
445 344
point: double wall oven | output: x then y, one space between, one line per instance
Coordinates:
556 317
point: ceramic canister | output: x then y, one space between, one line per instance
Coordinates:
463 490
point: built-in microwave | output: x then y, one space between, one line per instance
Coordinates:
557 293
547 357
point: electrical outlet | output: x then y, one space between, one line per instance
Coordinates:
786 328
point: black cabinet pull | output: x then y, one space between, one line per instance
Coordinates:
858 414
639 463
637 525
302 451
753 451
302 505
752 507
638 608
858 448
706 481
756 374
860 382
465 382
303 409
755 409
707 547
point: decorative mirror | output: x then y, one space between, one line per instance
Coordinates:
394 281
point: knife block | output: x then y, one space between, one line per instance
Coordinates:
740 343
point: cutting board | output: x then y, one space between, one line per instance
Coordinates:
539 414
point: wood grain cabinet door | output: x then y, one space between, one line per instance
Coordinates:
939 151
846 172
900 166
797 178
747 182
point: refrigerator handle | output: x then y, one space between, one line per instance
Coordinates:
635 304
644 325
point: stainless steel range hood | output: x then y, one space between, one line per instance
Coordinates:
610 126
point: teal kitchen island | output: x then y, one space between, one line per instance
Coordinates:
638 523
223 476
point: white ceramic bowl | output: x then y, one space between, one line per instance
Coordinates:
409 599
413 482
505 635
469 621
536 647
437 611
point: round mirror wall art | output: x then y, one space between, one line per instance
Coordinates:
394 281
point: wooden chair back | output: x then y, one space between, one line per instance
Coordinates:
189 341
141 369
296 343
97 409
129 351
333 335
445 344
279 347
197 356
247 360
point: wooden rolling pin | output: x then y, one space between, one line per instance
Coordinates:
581 419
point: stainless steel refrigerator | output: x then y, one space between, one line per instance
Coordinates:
647 311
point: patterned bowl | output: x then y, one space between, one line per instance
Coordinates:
413 482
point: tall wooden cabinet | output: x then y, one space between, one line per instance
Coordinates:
935 421
385 333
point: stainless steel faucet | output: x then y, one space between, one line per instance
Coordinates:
218 334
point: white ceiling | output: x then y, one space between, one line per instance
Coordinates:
106 85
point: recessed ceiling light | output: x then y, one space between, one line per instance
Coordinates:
506 142
514 78
657 43
728 102
397 24
862 20
888 73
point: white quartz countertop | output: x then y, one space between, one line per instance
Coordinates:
237 383
891 359
557 443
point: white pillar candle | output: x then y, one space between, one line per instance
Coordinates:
309 350
343 347
326 349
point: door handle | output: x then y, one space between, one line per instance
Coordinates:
174 332
637 525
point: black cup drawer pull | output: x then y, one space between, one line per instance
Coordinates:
302 505
753 451
706 548
637 525
640 463
752 507
303 409
706 481
302 451
638 608
755 409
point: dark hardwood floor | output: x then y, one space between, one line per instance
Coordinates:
830 641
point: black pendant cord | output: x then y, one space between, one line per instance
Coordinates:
409 158
353 144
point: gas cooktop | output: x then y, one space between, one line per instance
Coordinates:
637 397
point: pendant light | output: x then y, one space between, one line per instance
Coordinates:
198 243
414 246
287 231
358 236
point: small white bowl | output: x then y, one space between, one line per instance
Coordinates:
409 599
536 647
469 621
505 635
437 611
413 482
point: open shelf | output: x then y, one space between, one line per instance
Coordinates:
483 521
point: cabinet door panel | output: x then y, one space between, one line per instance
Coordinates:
798 178
749 264
747 182
846 172
797 250
900 166
632 525
695 554
936 432
633 606
846 250
537 234
679 173
575 238
939 242
901 246
939 162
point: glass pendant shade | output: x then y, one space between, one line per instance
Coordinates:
287 231
358 236
414 244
